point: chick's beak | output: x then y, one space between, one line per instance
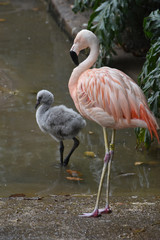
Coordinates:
37 104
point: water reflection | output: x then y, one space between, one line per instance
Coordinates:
34 55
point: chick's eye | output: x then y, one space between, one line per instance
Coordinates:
39 99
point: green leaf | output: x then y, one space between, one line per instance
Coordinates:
152 25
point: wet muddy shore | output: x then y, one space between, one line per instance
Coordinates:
56 217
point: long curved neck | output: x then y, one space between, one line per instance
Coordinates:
82 67
43 108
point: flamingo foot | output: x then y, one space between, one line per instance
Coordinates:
106 210
95 213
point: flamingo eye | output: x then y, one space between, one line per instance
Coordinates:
39 99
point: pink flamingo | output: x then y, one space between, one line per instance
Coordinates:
110 98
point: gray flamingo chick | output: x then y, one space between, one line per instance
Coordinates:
59 122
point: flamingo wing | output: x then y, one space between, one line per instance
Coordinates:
112 96
109 91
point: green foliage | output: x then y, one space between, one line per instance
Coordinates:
107 21
143 137
149 79
82 5
151 26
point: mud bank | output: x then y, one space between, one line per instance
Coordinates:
56 217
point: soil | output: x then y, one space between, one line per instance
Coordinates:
57 217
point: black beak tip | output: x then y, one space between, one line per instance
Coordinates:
74 57
37 104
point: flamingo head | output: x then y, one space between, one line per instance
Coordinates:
44 97
83 40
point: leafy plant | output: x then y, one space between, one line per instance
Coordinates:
149 79
82 5
152 26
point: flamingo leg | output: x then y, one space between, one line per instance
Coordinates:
75 145
111 151
61 150
96 212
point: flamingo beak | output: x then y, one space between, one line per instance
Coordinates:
74 57
37 104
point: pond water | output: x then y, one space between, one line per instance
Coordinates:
34 55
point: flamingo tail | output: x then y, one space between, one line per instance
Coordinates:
152 125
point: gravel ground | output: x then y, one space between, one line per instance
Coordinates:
57 217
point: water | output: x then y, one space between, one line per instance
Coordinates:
34 55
